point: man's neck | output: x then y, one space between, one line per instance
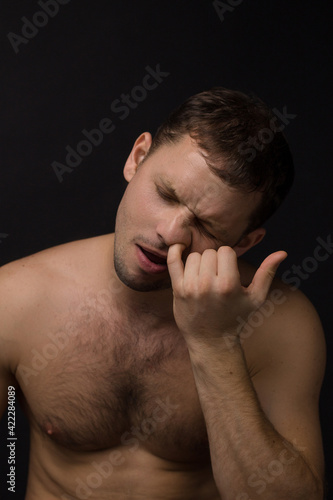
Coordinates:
157 304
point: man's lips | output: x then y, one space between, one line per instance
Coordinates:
151 261
154 256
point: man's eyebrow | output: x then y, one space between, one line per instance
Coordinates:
167 186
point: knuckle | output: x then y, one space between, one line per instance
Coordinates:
208 251
205 286
192 257
226 287
226 250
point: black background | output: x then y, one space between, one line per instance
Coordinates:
66 77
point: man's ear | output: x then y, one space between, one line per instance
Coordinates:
138 153
249 241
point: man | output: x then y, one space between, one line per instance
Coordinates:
154 363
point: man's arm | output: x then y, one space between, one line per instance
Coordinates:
18 291
264 435
6 345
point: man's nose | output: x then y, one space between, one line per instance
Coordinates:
175 227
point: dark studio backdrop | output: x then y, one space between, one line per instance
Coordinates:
66 67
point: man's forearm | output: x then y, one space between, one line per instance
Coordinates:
249 457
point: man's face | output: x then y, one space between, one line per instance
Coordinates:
173 197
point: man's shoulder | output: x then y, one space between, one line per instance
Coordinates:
52 277
285 331
67 261
38 291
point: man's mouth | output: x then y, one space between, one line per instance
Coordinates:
154 257
152 261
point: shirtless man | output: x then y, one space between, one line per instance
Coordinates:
153 363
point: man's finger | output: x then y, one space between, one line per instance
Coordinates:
175 264
265 274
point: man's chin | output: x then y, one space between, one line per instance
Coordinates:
146 284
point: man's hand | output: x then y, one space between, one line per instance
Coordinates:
208 295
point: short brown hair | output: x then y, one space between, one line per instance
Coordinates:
223 122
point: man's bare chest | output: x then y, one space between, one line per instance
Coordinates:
111 383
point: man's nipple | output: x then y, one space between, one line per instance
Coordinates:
49 428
